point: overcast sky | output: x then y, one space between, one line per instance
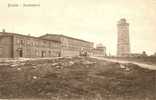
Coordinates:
92 20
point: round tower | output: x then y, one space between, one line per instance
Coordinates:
123 45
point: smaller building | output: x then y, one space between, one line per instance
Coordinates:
100 50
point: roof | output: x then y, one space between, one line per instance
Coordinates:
100 45
60 35
123 21
28 36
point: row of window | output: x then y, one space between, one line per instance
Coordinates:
75 47
36 52
41 43
76 42
36 43
80 44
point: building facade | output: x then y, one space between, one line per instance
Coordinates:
70 46
100 50
14 45
123 45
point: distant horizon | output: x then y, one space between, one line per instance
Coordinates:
90 20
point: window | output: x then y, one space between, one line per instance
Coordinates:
22 42
27 42
49 53
17 41
37 52
32 43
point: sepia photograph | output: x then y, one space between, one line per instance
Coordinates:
77 49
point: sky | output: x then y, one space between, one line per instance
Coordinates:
91 20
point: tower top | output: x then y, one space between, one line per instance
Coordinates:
122 21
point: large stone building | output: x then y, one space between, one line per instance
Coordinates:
123 46
70 46
14 45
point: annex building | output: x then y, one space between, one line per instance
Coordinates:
99 50
13 45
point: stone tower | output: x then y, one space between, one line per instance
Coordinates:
123 45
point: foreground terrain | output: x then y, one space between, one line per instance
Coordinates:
78 78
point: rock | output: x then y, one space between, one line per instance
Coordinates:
66 95
14 65
22 64
18 69
122 66
88 62
127 69
87 66
4 64
71 63
147 98
34 67
68 57
34 77
54 64
59 67
98 97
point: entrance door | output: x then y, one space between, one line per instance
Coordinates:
21 53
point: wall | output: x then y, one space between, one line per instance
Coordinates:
6 47
99 52
73 47
33 47
70 46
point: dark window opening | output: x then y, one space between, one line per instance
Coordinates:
21 53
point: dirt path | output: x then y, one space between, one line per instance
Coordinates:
152 67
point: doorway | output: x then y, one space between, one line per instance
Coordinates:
21 53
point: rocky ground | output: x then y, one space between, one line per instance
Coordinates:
78 78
